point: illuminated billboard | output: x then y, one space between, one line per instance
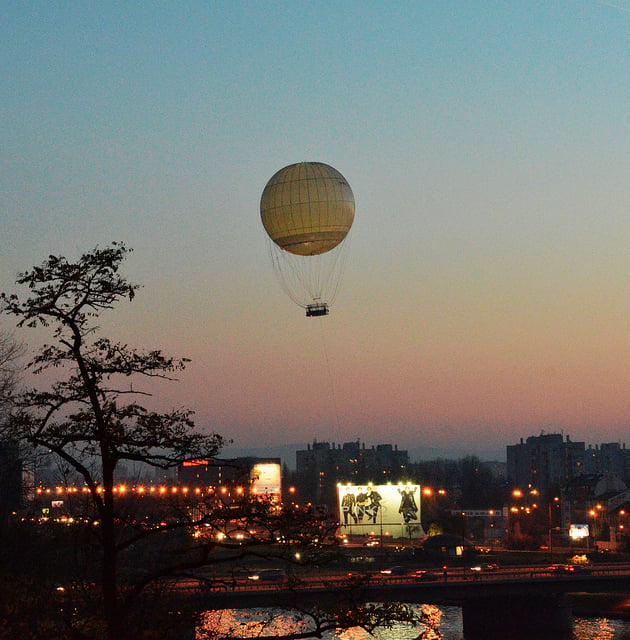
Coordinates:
265 478
383 509
577 531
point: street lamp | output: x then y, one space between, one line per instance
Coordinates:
556 500
594 513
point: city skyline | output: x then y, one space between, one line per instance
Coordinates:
486 292
287 452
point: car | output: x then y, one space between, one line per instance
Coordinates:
240 572
269 575
426 575
358 578
580 568
395 571
561 568
486 566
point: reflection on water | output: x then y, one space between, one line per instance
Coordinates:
601 629
440 623
260 623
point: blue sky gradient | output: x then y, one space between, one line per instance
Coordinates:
487 290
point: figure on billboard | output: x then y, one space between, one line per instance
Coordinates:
374 505
408 507
362 503
348 503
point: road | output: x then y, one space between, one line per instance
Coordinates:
454 575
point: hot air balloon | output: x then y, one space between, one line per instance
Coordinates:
307 210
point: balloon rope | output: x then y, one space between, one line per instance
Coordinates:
330 378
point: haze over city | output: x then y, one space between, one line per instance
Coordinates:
487 290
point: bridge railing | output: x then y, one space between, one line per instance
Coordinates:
452 576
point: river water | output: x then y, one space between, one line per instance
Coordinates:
441 623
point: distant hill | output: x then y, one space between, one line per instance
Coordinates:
431 453
287 453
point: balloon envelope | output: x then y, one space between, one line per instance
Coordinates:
307 208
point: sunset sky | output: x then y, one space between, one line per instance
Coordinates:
487 291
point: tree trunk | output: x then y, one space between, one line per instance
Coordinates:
110 587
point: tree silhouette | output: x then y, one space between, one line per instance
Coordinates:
91 417
10 466
10 352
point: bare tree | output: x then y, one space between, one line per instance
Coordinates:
10 466
90 413
10 353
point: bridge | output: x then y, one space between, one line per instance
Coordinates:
532 601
